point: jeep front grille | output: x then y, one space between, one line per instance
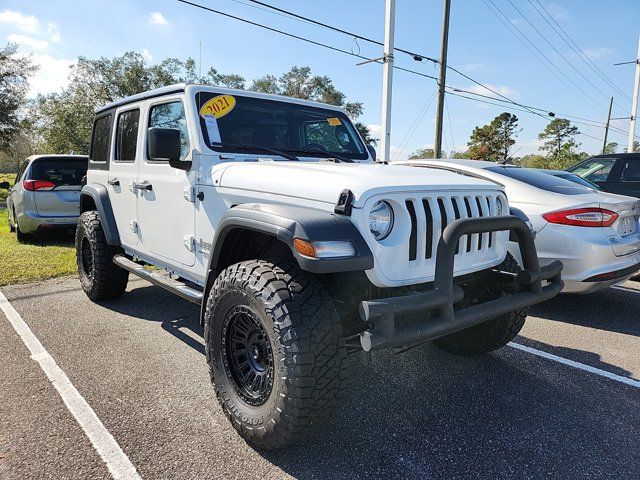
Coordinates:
429 217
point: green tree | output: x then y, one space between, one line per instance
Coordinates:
15 71
611 147
494 140
559 143
636 147
425 153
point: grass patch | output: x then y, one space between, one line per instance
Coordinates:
39 258
6 177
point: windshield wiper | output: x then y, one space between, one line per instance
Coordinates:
259 149
337 156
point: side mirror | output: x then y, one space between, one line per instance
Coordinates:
164 144
5 186
372 151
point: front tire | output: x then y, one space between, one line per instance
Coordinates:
275 352
495 332
101 279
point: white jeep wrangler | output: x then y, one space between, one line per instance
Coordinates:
272 214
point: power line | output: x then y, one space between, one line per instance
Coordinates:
555 49
513 27
562 33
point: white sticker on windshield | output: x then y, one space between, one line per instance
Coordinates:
212 129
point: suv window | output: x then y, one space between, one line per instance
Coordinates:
171 115
594 170
23 167
60 171
127 135
631 171
100 139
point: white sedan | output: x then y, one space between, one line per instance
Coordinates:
595 234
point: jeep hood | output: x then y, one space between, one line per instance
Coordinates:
324 181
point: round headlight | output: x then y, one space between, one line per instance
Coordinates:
381 220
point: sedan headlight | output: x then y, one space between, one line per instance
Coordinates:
381 220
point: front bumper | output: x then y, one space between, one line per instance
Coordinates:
437 305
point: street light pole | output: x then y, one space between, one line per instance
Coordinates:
387 79
634 108
606 128
437 148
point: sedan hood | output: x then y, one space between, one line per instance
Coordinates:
324 181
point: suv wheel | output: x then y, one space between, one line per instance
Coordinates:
100 278
495 332
275 352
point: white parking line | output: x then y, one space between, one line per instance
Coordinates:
625 289
117 462
578 365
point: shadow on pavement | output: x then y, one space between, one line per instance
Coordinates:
428 414
611 309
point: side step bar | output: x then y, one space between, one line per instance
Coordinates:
160 279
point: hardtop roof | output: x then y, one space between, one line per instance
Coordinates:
190 88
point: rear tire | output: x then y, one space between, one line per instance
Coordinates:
492 334
21 237
11 227
275 352
101 279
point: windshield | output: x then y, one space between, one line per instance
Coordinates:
232 123
542 180
576 179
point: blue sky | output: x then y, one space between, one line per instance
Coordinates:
56 32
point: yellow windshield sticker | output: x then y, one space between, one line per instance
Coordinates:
334 122
218 106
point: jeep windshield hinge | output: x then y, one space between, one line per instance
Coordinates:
189 194
190 242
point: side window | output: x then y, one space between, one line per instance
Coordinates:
23 167
631 171
596 170
100 139
171 115
127 135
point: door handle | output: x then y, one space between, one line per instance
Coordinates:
143 186
114 182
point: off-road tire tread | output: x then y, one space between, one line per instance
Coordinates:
109 281
491 335
310 335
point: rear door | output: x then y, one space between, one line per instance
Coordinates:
629 179
57 182
123 172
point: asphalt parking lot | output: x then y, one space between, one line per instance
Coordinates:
139 364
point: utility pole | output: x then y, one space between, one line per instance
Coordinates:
634 108
437 149
606 129
387 79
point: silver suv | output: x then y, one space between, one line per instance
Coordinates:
46 193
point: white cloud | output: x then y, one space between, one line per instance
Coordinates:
474 67
146 54
501 89
28 41
52 75
556 11
54 32
25 23
595 53
156 18
375 129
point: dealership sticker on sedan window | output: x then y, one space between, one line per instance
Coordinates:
218 106
334 122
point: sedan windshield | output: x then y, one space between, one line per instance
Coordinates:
234 123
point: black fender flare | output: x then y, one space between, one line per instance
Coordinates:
286 223
100 197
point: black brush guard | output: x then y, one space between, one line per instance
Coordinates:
437 304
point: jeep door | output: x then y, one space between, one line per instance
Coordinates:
166 212
123 172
